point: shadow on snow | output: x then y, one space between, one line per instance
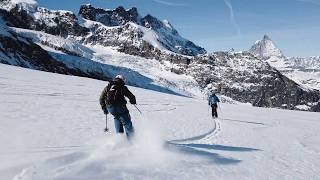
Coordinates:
210 156
219 147
193 138
202 150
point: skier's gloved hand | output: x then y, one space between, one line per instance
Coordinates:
133 101
104 109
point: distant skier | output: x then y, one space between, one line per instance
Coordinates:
212 101
112 99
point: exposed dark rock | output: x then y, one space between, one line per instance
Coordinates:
245 78
64 24
116 17
20 51
168 36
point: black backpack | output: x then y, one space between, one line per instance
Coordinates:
114 94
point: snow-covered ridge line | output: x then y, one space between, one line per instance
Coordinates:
68 45
28 5
307 63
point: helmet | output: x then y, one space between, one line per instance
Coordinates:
120 77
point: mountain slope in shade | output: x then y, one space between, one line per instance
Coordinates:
20 51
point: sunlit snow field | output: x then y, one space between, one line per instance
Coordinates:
51 127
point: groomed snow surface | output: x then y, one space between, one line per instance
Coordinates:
51 127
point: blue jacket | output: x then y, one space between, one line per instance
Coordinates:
213 99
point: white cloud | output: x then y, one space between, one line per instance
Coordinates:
232 18
169 3
315 2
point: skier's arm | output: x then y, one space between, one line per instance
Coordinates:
218 100
102 99
129 95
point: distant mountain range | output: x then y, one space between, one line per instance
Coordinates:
99 43
305 71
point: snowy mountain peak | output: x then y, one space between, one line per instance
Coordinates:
266 38
167 24
116 17
155 24
265 48
27 5
154 31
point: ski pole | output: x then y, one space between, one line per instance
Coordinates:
137 108
219 107
106 129
220 110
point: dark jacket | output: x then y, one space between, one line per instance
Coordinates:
213 100
124 92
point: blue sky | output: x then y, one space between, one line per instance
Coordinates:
294 25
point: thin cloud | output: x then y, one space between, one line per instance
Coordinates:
315 2
232 18
168 3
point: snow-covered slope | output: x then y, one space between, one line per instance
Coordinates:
51 127
305 71
105 62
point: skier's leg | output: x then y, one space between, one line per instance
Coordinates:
121 130
215 110
212 110
117 124
114 110
126 121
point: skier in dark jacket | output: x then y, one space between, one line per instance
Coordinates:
212 101
112 99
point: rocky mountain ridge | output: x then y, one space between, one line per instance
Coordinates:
162 32
241 76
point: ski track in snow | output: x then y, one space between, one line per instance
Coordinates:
51 128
